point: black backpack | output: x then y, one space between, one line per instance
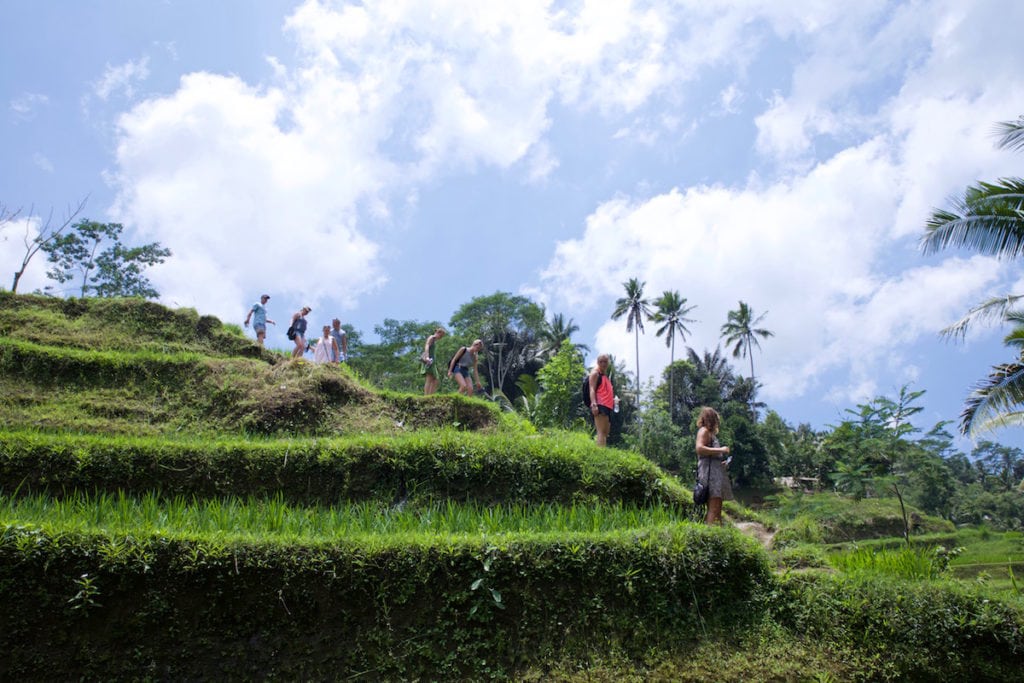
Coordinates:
458 356
585 388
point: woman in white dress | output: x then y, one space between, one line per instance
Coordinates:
326 349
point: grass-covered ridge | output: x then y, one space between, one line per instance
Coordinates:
438 464
135 367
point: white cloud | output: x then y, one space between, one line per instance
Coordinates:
250 184
24 106
122 79
810 252
42 162
902 95
14 235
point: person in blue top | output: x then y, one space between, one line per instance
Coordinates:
258 315
341 340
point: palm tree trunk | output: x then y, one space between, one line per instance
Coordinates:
636 333
671 377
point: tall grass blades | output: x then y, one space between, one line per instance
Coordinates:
120 513
913 563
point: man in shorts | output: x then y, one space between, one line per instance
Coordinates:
342 339
258 315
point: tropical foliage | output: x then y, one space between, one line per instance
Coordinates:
741 331
636 309
989 218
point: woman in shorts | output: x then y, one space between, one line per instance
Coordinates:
464 364
298 329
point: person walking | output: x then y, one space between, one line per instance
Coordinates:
297 331
712 463
258 315
463 363
602 399
340 342
428 368
326 349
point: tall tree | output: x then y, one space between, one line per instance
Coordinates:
107 267
557 330
989 219
672 310
510 327
740 330
44 235
636 308
393 362
560 402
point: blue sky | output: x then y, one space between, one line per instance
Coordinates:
395 159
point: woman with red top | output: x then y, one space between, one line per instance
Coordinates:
602 399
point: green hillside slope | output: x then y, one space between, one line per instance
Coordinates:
176 503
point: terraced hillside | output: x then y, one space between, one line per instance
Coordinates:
177 504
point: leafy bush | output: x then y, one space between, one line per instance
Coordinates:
113 606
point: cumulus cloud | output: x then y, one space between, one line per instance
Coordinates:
822 248
242 180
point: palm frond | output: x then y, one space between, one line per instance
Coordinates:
999 394
991 310
989 219
1011 134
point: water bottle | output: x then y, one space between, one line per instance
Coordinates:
616 408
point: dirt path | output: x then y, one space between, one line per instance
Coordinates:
758 531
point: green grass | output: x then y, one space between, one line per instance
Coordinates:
829 518
911 563
263 518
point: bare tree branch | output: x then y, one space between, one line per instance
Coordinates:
46 234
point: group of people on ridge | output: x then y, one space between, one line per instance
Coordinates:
332 347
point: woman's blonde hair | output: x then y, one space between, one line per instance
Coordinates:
709 420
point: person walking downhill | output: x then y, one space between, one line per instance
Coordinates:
428 367
712 464
298 331
463 363
341 342
326 349
602 399
258 314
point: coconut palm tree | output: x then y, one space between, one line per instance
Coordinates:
997 400
672 310
989 219
635 307
740 331
555 331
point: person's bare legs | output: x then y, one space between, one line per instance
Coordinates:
300 346
465 384
714 511
603 426
430 384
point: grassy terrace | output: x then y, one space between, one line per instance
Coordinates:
242 519
177 504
